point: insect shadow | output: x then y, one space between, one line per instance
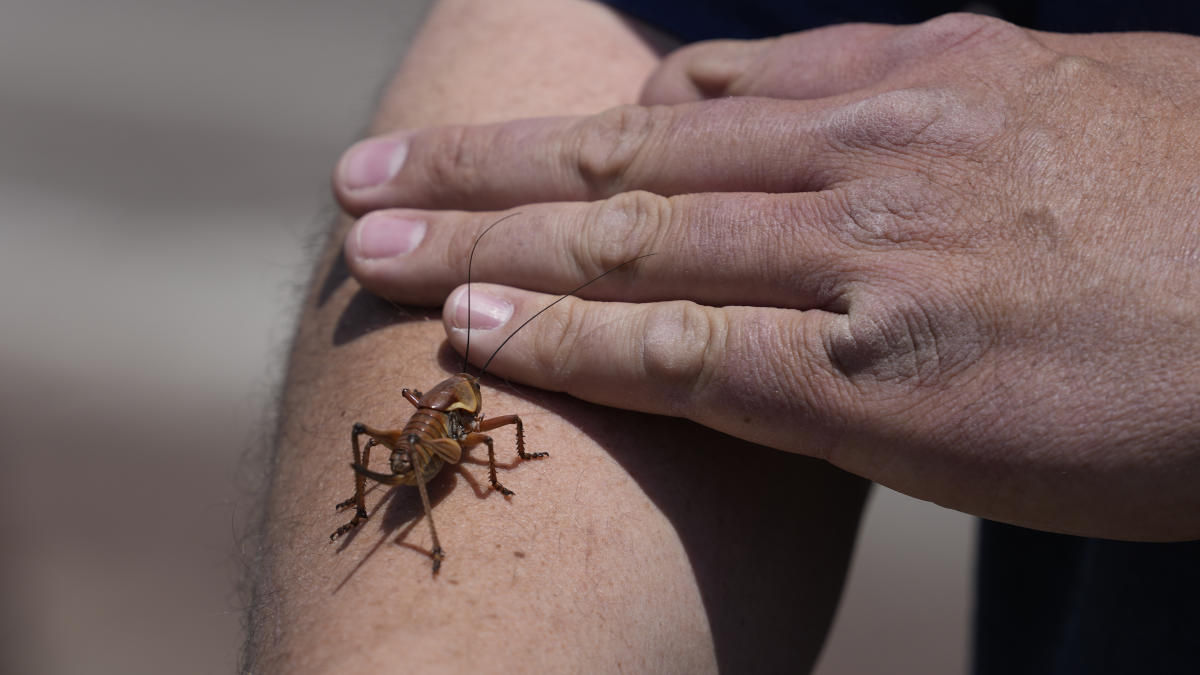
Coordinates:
402 510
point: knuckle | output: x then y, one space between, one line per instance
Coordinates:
909 338
919 121
455 160
957 30
973 42
620 228
891 119
680 346
1072 68
909 212
1072 74
557 337
607 146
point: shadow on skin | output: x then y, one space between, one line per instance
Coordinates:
366 313
401 504
338 273
402 511
768 534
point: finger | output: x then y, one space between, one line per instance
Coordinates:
812 64
731 145
794 250
765 375
824 62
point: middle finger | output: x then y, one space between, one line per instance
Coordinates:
788 250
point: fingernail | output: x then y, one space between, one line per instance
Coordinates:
382 235
373 162
487 311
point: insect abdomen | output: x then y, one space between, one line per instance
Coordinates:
425 424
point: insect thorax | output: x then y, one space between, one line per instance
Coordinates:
457 423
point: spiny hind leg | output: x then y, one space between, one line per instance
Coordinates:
437 553
504 420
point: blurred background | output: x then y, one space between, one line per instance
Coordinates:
163 180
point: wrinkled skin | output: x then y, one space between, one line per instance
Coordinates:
959 258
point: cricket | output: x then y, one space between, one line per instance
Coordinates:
448 421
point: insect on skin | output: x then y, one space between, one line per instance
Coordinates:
448 420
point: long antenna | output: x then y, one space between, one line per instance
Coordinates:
470 261
562 297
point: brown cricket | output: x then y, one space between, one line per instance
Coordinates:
448 420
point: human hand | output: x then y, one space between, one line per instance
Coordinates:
961 259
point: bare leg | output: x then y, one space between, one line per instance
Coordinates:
648 545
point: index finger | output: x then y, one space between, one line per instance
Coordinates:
730 145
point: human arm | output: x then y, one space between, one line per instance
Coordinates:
639 543
961 259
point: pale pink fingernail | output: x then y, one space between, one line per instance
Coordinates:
384 235
487 311
372 162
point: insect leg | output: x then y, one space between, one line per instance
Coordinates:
361 458
413 396
438 555
476 439
365 460
360 509
503 420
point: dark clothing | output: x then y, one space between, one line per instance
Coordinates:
1050 603
691 20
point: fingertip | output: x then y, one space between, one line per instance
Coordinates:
479 307
381 235
367 167
667 86
453 318
379 252
702 70
476 317
718 65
